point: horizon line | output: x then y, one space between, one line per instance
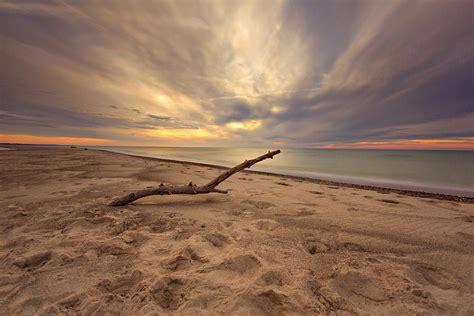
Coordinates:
283 147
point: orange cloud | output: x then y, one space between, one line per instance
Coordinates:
52 140
461 144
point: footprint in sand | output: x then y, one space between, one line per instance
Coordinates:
33 262
128 223
244 265
350 246
235 212
267 302
224 225
182 233
356 286
259 204
122 285
110 250
162 225
171 222
313 247
272 278
420 293
170 293
133 237
266 224
324 299
185 260
71 302
217 240
435 276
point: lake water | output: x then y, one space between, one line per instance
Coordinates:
449 172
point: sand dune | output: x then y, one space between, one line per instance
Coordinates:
273 245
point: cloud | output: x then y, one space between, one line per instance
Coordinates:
309 72
159 118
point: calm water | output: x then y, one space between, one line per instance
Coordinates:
448 172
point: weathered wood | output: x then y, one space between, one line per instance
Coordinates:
190 188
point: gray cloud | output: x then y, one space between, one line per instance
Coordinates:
159 118
311 72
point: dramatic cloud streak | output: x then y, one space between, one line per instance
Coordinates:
293 73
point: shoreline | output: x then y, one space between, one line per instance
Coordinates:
380 189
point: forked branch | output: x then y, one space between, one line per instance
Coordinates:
190 188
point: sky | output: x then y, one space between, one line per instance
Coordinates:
319 73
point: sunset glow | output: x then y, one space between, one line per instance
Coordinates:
247 125
181 133
453 144
53 140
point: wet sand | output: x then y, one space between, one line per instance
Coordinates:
273 245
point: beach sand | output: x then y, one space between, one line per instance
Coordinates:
272 245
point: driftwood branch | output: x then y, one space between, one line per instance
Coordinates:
190 188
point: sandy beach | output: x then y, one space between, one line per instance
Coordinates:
272 245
